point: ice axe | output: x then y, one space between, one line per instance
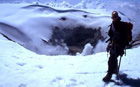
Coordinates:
119 63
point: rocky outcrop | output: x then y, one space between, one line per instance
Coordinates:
134 43
76 38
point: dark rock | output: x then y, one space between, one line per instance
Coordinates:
76 38
63 18
84 16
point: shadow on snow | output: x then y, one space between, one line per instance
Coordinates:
129 81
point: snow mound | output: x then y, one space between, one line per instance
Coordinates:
35 28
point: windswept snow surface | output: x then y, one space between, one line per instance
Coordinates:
20 67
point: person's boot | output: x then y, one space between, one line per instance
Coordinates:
107 77
116 71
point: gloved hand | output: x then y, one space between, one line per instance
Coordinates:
108 47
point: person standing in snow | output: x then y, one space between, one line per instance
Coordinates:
116 44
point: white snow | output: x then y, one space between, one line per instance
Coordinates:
88 50
20 67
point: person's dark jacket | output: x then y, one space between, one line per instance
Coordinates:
118 37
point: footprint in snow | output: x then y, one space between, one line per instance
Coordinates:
22 85
75 83
60 82
39 66
15 57
73 80
21 64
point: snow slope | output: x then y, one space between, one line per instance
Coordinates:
20 67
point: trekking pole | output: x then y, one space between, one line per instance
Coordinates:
119 63
118 76
125 51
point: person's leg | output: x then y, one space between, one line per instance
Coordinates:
112 65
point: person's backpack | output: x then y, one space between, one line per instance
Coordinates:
129 27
